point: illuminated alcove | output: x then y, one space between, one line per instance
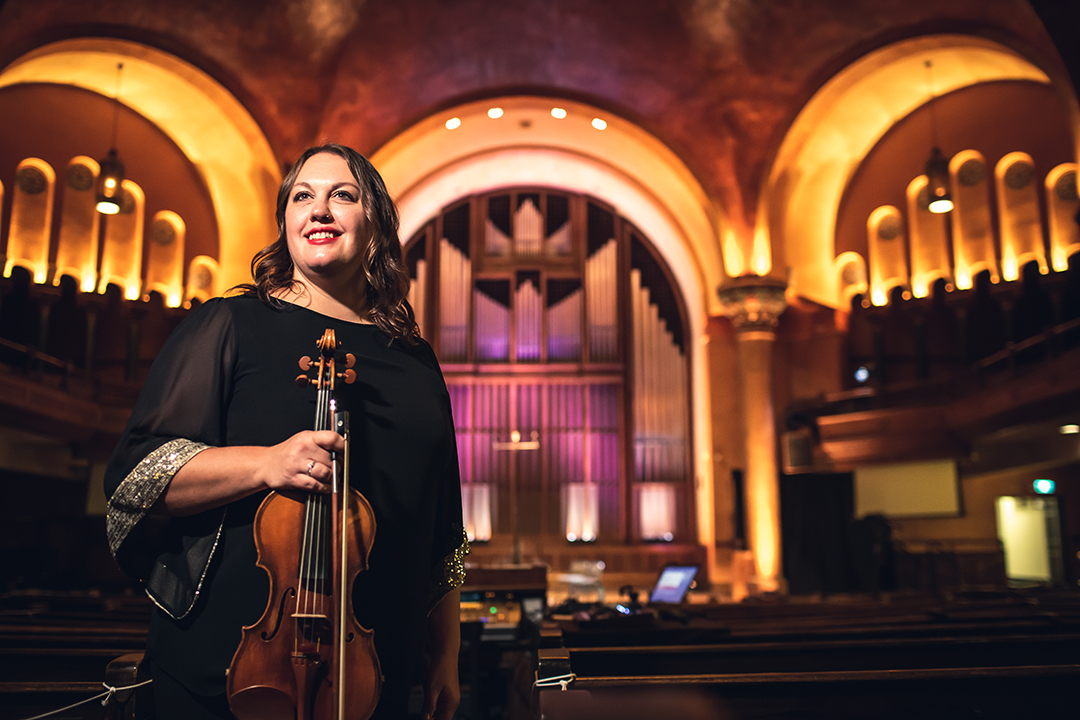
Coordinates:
210 127
837 129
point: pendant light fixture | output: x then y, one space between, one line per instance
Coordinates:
111 174
937 167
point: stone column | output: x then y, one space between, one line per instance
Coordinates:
754 305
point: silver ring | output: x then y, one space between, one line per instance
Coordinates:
310 465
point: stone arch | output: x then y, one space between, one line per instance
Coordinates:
214 131
426 168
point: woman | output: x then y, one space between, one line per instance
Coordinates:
220 423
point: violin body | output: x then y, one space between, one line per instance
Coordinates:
307 658
271 672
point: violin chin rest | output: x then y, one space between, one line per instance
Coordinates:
262 703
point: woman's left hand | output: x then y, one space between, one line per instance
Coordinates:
441 691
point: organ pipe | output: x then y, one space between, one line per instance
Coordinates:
455 284
601 299
558 243
418 293
492 328
659 406
564 328
528 306
528 229
495 240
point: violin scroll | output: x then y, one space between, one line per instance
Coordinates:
325 372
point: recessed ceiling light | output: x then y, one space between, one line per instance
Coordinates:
495 113
453 123
599 124
558 113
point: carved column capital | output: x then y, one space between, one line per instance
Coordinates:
753 303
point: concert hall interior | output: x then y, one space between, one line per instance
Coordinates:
785 291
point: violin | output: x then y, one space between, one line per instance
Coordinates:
308 658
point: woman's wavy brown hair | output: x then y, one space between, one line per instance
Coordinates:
384 267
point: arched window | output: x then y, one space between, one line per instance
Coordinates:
561 336
972 229
31 218
121 262
929 241
888 252
1062 205
204 274
77 246
165 257
1018 215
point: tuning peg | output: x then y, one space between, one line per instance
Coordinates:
302 381
350 376
350 360
305 363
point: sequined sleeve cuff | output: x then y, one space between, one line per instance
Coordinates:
450 573
144 485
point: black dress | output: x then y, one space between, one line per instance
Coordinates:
226 377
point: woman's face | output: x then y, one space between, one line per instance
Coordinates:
324 219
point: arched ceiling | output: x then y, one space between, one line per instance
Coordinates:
429 166
836 130
716 83
213 131
994 118
58 122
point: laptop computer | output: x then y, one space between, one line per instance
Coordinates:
673 584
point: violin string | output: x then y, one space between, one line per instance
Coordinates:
305 561
317 519
304 608
319 528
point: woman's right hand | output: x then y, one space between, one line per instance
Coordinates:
217 476
303 462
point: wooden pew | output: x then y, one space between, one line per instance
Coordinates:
55 651
914 658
